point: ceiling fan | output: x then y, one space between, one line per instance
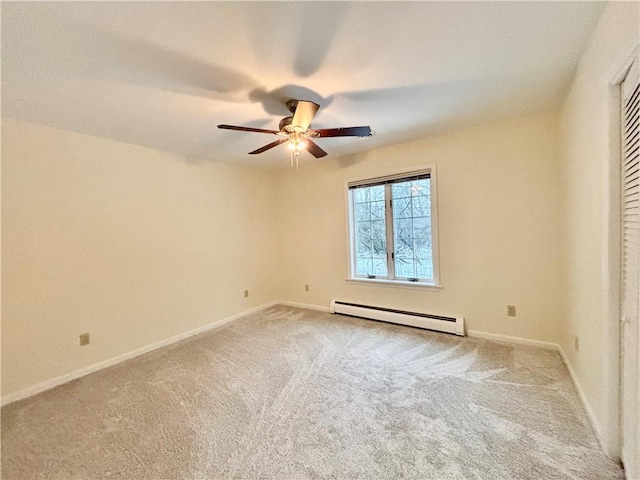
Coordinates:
295 131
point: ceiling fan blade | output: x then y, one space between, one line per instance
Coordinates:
315 150
248 129
270 146
344 132
305 111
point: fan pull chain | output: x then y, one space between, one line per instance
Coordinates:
295 154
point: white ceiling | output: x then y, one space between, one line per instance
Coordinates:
164 74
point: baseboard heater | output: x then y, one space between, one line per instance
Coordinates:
438 323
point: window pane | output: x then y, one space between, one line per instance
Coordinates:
421 227
424 268
378 229
377 210
363 211
363 248
370 231
420 187
421 206
404 247
404 267
401 190
363 266
360 195
423 247
412 229
363 231
379 247
379 267
402 207
377 193
411 219
402 227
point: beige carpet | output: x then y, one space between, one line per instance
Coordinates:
291 393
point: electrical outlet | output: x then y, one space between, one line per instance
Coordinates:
576 343
511 310
246 293
306 287
84 339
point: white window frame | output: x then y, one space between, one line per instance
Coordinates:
434 284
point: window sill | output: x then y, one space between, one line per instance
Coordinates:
395 283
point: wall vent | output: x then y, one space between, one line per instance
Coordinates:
427 321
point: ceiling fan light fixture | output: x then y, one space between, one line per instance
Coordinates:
296 146
295 132
296 142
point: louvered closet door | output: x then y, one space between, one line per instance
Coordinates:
630 395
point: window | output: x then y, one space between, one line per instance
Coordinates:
392 224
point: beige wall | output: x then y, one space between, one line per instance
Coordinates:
130 244
135 245
500 225
586 154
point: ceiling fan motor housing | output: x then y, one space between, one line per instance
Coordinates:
291 105
285 122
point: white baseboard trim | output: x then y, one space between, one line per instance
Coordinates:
308 306
583 398
67 377
496 337
54 382
550 346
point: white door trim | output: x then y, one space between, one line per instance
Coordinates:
611 269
